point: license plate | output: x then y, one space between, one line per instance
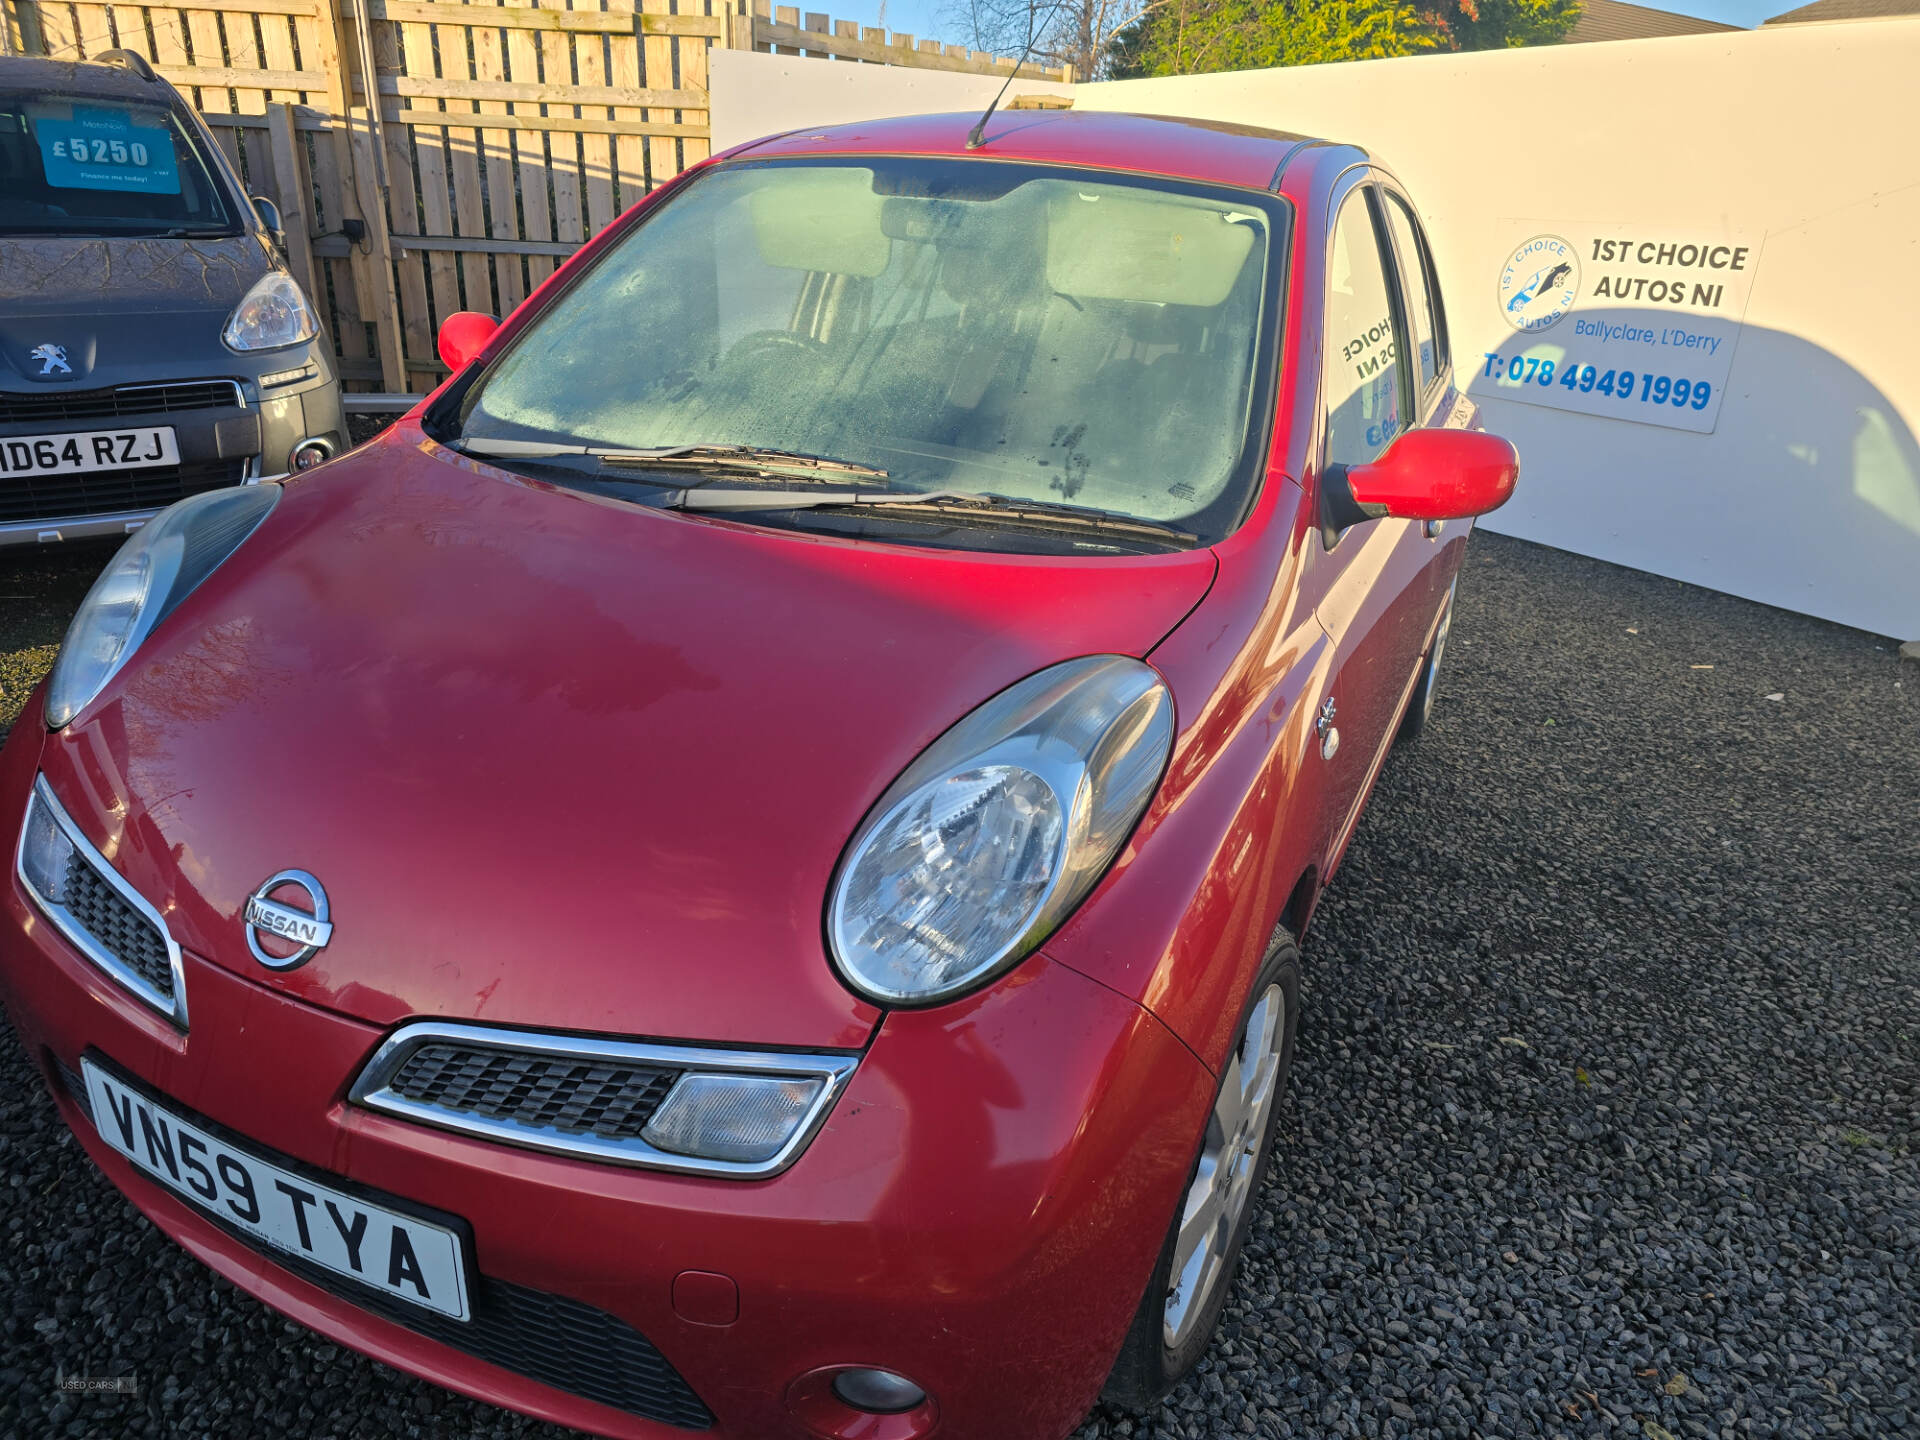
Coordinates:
409 1259
76 452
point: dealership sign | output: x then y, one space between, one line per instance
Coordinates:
1621 321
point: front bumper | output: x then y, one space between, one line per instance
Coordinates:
247 434
980 1212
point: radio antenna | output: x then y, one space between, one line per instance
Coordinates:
977 136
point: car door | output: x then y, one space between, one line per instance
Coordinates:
1429 360
1373 578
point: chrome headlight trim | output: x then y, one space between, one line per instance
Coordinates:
371 1089
173 1007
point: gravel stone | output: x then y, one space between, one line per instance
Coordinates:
1603 1122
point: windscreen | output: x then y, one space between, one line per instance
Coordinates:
73 165
1036 333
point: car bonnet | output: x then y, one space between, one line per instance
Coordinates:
557 762
124 310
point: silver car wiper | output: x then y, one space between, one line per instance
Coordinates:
1049 514
753 459
752 497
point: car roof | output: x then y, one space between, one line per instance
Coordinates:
81 77
1204 150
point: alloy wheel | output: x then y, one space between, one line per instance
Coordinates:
1224 1182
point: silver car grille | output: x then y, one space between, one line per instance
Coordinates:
514 1087
116 926
106 919
586 1097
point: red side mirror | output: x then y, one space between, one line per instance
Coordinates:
463 335
1437 475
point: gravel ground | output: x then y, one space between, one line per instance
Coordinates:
1604 1117
39 591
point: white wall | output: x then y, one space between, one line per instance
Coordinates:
1807 493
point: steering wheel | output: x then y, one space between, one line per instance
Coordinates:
768 342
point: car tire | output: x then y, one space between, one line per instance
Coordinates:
1420 708
1164 1343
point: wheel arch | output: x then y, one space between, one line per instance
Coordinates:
1296 914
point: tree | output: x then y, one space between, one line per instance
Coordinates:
1064 32
1499 24
1191 37
1194 37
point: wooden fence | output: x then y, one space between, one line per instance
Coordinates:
780 32
429 156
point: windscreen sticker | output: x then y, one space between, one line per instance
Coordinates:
102 149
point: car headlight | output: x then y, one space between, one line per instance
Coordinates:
272 314
158 567
986 843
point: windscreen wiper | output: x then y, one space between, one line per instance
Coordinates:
1043 514
753 459
756 458
753 497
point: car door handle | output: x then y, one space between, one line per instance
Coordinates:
1328 733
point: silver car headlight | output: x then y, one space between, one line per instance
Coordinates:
158 567
272 314
987 842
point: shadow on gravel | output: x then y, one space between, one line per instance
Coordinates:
1603 1122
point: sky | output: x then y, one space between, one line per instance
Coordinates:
930 19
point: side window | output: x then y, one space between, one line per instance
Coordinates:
1362 363
1429 330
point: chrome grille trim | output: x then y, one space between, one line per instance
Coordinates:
174 1005
374 1089
162 397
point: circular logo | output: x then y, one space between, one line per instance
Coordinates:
286 920
1539 283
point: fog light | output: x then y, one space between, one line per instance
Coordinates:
309 453
746 1119
45 852
878 1392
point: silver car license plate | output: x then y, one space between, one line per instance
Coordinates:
402 1256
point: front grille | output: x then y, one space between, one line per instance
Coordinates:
102 916
107 492
576 1097
55 406
557 1341
71 1082
116 926
550 1338
585 1096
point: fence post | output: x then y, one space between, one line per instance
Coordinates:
347 54
295 194
20 28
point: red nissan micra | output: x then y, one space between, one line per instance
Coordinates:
739 869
